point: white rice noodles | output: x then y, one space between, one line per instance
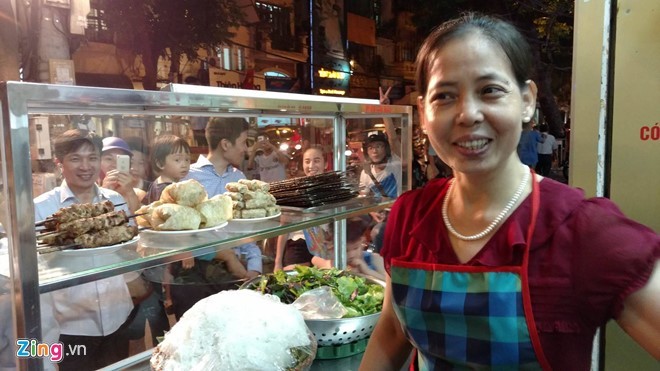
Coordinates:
233 330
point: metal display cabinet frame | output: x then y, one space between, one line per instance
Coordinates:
20 101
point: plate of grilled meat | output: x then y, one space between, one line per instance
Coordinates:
86 228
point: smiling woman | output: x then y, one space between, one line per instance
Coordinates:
557 266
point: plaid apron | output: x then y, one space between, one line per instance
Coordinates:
469 317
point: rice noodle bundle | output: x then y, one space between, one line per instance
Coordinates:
234 330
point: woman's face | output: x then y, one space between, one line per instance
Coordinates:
313 162
138 168
109 160
474 108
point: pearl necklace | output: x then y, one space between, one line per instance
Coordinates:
494 223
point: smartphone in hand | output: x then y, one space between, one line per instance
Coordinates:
124 163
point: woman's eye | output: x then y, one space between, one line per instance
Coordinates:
441 97
489 90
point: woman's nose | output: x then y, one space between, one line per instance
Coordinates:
469 111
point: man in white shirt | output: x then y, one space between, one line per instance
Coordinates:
91 314
547 150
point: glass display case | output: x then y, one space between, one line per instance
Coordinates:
34 114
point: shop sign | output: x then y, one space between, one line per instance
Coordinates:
233 79
650 132
276 83
332 77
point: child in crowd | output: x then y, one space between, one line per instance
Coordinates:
170 159
357 258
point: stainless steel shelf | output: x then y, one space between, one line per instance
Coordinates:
65 270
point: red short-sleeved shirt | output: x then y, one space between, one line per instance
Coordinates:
586 258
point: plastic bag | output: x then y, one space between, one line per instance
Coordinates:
320 303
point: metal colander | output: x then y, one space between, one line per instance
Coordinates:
342 330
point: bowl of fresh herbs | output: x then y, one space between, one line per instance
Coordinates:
362 297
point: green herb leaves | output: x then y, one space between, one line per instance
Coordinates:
354 292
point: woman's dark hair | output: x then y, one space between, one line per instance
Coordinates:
229 128
166 145
72 140
501 32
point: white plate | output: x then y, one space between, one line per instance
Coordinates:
189 232
99 250
252 220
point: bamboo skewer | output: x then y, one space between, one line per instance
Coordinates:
52 233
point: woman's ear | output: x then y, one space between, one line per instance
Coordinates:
529 98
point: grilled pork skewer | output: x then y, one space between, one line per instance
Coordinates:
77 227
81 226
77 211
55 239
97 223
111 236
107 237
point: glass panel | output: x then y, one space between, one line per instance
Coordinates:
292 137
186 118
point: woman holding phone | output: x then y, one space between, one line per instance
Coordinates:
112 177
